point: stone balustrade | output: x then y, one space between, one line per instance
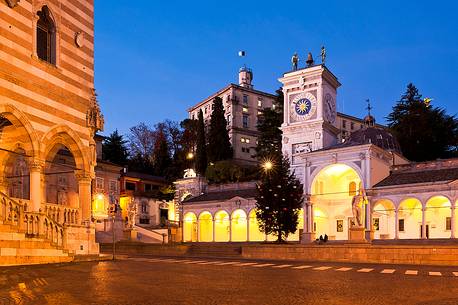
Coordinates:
33 224
61 214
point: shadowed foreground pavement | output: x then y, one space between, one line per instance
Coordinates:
212 281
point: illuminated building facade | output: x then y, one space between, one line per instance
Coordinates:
404 200
48 117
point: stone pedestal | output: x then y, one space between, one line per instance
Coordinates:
307 237
357 235
369 235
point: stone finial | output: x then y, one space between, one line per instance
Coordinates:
94 116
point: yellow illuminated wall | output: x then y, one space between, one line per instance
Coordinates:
384 214
222 226
190 227
438 208
205 227
255 233
410 210
99 208
239 226
300 226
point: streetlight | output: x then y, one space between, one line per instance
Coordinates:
267 165
190 156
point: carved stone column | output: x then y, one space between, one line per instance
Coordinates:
36 192
308 235
396 224
452 221
423 223
368 219
84 191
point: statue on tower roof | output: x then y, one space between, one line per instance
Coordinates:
295 61
309 60
323 55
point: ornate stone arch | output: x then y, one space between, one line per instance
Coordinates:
63 135
318 170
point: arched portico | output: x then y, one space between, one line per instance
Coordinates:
332 190
190 227
239 223
222 226
410 215
384 219
438 217
254 232
205 227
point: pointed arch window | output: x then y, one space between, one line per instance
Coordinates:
46 36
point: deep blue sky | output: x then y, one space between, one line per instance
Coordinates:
154 59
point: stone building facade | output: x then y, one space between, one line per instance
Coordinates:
49 115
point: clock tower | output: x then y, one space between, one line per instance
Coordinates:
309 109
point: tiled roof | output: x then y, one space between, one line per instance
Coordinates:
222 195
412 177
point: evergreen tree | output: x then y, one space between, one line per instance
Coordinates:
201 147
424 132
219 146
114 148
161 155
270 134
279 199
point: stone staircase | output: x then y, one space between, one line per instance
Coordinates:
29 237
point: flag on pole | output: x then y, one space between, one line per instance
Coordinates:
242 53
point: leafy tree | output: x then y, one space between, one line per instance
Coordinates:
141 141
423 131
219 146
114 148
201 147
226 172
279 199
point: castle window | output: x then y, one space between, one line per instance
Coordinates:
245 99
46 36
245 121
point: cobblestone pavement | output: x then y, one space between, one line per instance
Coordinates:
201 281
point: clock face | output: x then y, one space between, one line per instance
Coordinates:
329 108
303 106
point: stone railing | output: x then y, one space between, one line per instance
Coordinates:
61 214
33 224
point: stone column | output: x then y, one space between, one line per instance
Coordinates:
452 221
214 230
230 228
85 196
396 224
423 223
368 219
198 229
308 235
36 194
247 228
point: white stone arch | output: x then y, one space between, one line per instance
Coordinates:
410 215
239 225
383 214
319 169
222 226
205 226
190 227
438 216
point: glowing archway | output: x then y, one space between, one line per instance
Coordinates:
222 226
410 218
438 215
384 220
190 227
255 233
332 190
239 223
205 227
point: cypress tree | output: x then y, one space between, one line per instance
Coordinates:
219 146
201 149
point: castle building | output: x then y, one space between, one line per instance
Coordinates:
48 117
357 187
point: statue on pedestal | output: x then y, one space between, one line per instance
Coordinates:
356 204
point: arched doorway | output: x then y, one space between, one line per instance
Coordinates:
438 216
332 191
205 227
255 233
61 184
384 219
190 227
222 226
239 225
410 218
